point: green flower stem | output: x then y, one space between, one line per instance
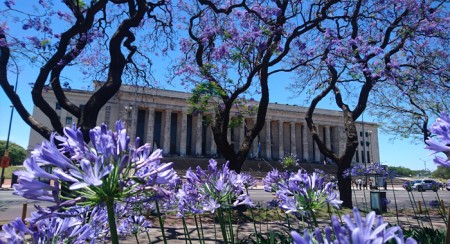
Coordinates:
441 209
198 231
222 225
137 239
413 204
112 220
426 210
253 217
288 222
365 199
447 239
313 215
356 199
395 200
186 231
201 227
230 226
161 222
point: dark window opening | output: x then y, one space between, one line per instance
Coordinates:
189 135
157 130
173 133
140 127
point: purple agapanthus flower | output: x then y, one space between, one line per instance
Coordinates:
86 168
371 229
303 192
441 141
14 232
213 188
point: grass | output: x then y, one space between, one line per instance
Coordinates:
10 170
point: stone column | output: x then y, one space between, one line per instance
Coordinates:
150 126
316 148
132 126
328 137
213 144
280 140
183 133
255 141
166 141
305 146
198 139
268 141
241 133
293 145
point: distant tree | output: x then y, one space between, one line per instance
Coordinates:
441 172
402 171
16 152
97 36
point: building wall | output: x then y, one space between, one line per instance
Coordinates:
166 119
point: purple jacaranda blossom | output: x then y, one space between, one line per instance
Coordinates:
441 139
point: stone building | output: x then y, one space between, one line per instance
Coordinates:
162 118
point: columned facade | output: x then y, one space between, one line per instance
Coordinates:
163 119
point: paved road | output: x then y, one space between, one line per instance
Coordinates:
11 205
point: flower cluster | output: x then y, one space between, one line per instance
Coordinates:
441 141
208 190
360 170
87 179
304 194
371 229
273 178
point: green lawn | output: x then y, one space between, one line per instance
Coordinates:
10 170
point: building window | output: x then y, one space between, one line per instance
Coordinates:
68 120
367 134
57 106
362 143
357 156
360 133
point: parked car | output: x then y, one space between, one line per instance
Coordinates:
408 184
423 185
447 186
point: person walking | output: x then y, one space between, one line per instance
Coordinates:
358 183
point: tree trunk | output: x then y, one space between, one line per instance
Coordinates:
344 184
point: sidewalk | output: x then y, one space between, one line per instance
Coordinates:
6 185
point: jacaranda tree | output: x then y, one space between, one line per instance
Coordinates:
97 36
362 46
232 51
